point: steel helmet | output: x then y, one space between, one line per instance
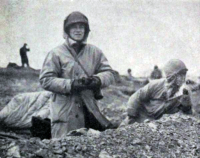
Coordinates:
174 66
76 17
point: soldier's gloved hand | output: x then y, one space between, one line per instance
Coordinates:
185 100
95 83
186 104
77 86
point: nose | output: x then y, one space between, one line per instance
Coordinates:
78 29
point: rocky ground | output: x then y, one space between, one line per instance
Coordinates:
172 136
175 135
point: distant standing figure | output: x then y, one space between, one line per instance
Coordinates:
23 55
156 73
129 76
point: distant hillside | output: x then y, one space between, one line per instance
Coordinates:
14 81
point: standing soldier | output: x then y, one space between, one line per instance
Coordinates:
129 75
156 73
75 72
23 55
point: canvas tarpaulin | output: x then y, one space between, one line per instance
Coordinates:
20 110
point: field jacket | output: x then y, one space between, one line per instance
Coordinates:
150 102
58 72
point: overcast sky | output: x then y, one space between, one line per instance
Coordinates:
134 34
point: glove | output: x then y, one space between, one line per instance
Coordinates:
95 83
186 103
186 100
77 86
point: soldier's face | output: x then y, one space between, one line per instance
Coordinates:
77 31
180 79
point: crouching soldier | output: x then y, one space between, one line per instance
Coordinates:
75 72
161 96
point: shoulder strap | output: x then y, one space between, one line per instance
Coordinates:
72 52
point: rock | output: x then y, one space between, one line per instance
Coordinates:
64 149
3 147
58 151
104 154
42 153
46 141
78 132
78 148
12 144
13 151
147 147
93 133
136 142
64 143
153 126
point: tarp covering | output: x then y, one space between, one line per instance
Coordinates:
19 111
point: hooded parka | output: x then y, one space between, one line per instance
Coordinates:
60 69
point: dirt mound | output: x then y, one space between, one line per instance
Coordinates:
13 65
172 136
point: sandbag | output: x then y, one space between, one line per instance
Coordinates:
20 110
